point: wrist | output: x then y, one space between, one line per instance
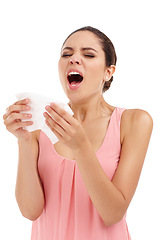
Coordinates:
22 141
83 147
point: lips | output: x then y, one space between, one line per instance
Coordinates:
74 76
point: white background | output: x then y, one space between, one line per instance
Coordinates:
31 35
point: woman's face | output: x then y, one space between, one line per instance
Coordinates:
82 57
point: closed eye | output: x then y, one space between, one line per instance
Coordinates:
86 55
89 55
66 55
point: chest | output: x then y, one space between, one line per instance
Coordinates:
95 131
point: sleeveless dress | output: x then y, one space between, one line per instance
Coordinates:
69 213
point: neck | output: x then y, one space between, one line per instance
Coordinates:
89 110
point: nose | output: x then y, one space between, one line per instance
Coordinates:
75 60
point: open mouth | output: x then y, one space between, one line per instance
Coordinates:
74 78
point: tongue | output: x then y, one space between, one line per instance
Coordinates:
74 83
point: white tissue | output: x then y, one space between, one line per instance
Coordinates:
38 103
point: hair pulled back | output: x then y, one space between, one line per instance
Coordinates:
108 48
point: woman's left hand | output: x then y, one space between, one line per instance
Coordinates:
66 128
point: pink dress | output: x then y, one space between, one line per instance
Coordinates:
69 213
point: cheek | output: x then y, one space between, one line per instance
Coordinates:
60 66
61 69
96 71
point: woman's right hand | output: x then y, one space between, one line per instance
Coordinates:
13 119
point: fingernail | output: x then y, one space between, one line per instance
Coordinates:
27 107
47 107
27 100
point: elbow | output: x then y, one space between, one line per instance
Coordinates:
30 211
115 213
110 222
114 218
32 216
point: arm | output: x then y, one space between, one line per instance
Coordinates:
29 191
112 198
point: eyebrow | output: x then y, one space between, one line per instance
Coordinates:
82 49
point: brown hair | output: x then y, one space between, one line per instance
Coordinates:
108 48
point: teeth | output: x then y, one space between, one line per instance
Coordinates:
74 73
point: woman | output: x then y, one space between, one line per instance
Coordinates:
81 187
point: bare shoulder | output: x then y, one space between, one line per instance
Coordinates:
134 120
131 116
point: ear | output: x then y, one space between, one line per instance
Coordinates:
109 72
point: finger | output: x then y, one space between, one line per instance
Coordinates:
60 111
57 134
16 116
23 101
15 108
18 124
54 124
65 125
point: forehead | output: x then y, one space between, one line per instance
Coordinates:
83 39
